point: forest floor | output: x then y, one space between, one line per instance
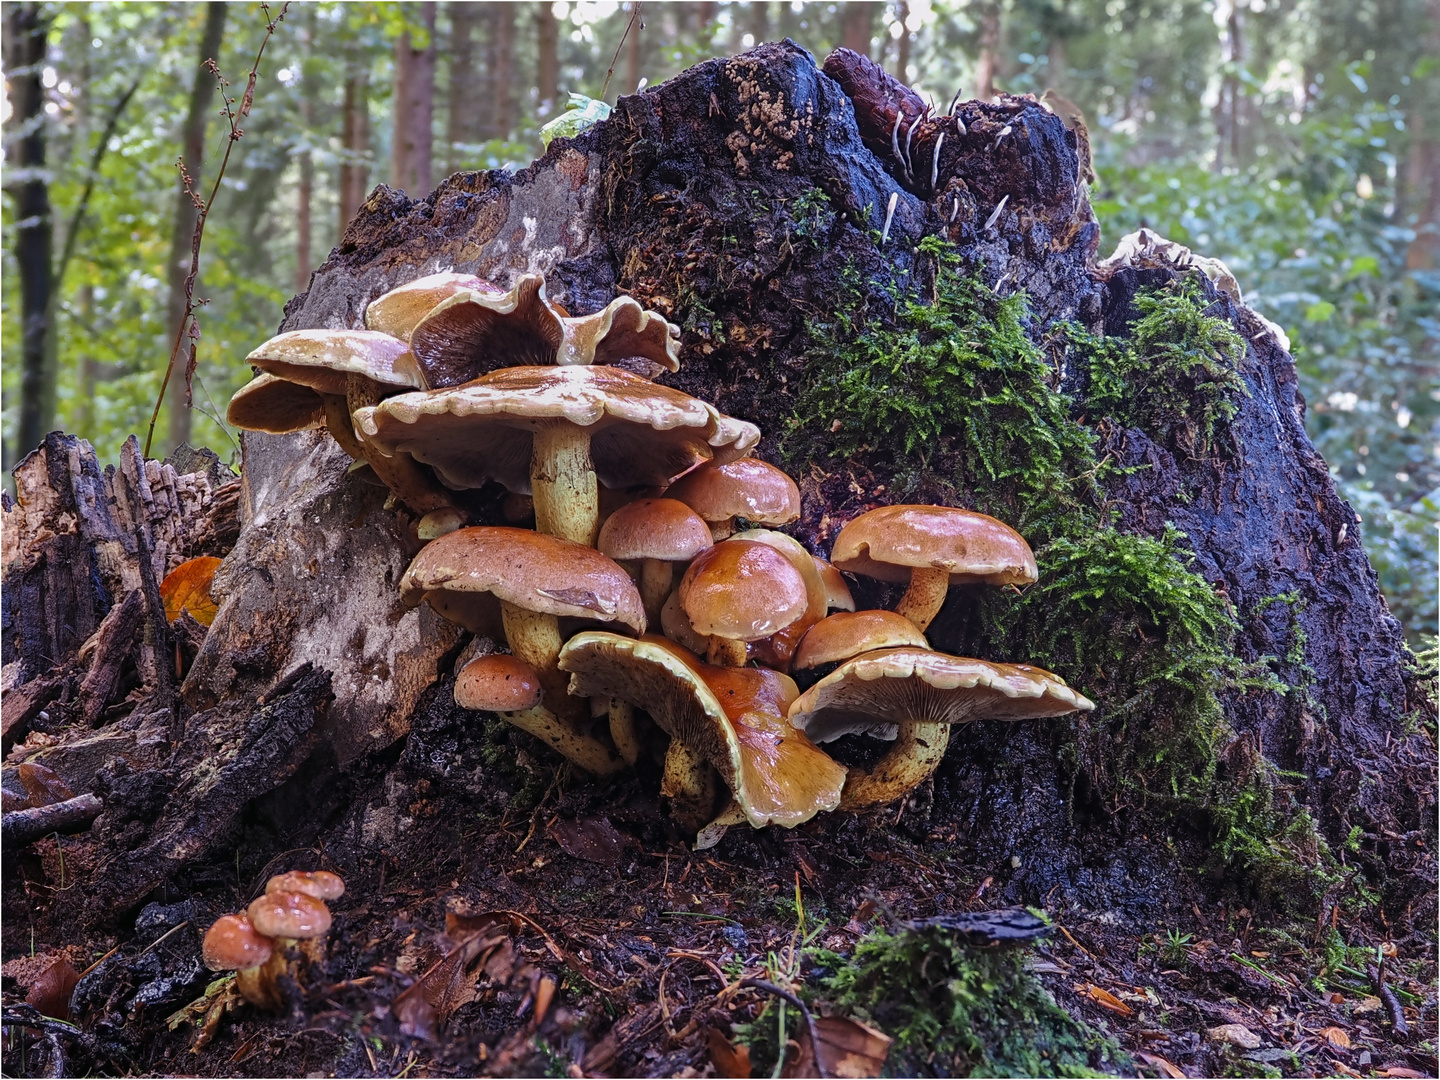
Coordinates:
584 938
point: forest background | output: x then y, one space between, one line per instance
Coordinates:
1297 140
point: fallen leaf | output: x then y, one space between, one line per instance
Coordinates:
592 839
1155 1061
729 1060
187 588
428 1002
1105 999
1367 1005
48 984
1236 1035
1400 1072
1339 999
847 1048
1336 1037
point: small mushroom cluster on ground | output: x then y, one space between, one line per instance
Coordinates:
653 608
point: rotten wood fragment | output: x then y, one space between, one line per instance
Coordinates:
114 643
21 827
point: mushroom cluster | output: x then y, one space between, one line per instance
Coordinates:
653 583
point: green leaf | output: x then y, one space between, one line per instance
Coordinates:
1320 311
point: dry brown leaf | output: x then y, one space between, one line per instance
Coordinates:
1168 1068
592 839
428 1002
1336 1037
187 588
729 1060
847 1049
1400 1073
1105 999
1236 1035
1368 1004
50 984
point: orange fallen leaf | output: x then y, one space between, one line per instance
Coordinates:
187 588
1105 999
1400 1073
1336 1037
729 1060
847 1048
1155 1061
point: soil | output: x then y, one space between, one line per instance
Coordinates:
573 928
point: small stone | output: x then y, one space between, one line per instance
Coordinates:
1236 1035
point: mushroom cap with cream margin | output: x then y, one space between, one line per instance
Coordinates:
740 591
922 694
730 717
275 406
474 331
620 335
933 547
400 310
850 633
557 432
750 488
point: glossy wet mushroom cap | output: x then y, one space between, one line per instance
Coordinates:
837 592
289 915
233 943
663 529
498 683
321 884
850 633
748 488
743 591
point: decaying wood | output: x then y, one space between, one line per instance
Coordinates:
20 706
21 827
114 643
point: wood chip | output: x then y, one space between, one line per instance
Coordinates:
1105 999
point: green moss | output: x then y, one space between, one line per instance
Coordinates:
954 1010
1175 376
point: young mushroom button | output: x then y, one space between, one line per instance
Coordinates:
749 488
498 683
933 547
660 533
741 591
850 633
233 944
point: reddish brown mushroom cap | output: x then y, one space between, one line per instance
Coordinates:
748 488
850 633
742 590
664 529
321 884
233 943
498 683
837 592
289 915
888 542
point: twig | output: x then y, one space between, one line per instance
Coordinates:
1392 1003
785 995
21 827
188 326
634 15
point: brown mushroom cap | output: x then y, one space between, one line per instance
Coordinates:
874 692
475 331
289 915
233 943
497 683
732 717
642 433
888 542
324 359
530 570
321 884
748 488
274 405
621 334
399 311
837 592
850 633
742 590
654 529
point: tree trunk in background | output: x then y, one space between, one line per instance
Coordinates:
704 16
465 121
1421 186
414 109
756 23
355 138
192 151
902 43
857 25
547 65
305 196
26 27
989 51
632 51
500 71
1056 63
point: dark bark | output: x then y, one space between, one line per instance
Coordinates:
21 827
413 109
114 644
26 29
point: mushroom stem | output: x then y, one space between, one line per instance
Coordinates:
589 753
563 483
258 985
338 423
915 755
535 639
689 784
402 474
727 652
622 730
656 577
922 601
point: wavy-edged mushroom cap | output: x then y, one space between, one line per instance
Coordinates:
748 488
837 592
400 310
498 683
642 433
850 633
654 529
233 943
621 334
732 717
475 331
274 405
743 591
321 884
877 690
528 569
890 541
324 359
289 915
